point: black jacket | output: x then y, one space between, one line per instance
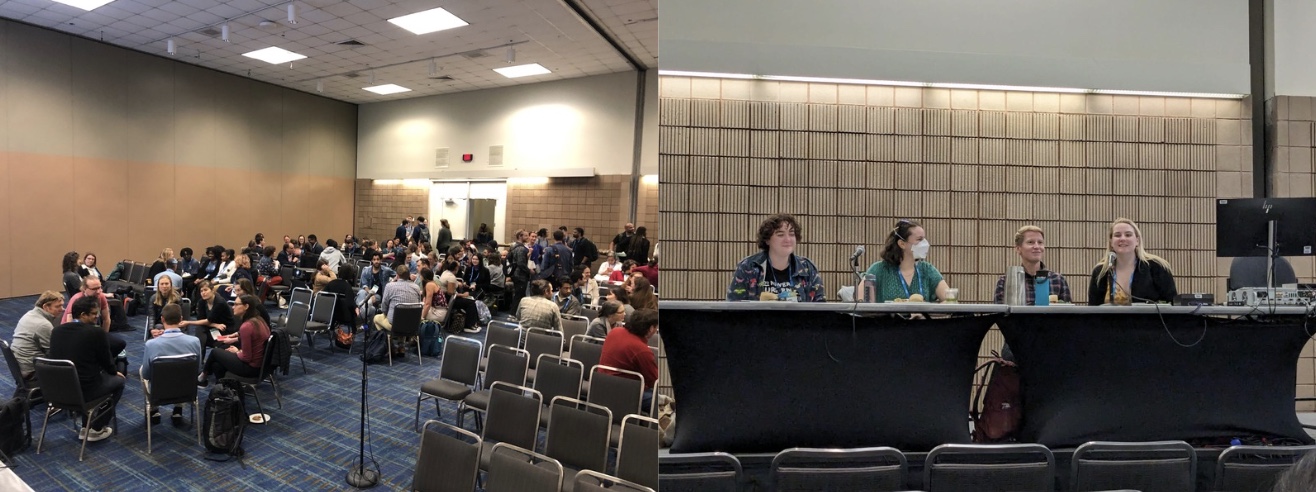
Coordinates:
1151 283
585 252
88 347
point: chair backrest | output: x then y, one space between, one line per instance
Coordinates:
59 383
588 350
298 313
1159 465
287 272
186 304
539 341
502 333
137 273
301 295
513 415
461 360
267 363
1250 271
619 393
449 459
14 369
173 379
801 469
406 319
592 481
516 469
557 376
322 310
589 313
574 325
699 472
637 450
1255 467
1023 467
578 434
506 364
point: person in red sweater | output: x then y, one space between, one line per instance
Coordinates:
251 337
627 347
649 271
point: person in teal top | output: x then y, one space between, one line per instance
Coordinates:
904 270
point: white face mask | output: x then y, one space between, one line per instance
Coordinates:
921 249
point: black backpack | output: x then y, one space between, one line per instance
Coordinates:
225 421
15 426
376 350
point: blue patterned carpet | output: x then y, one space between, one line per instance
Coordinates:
310 444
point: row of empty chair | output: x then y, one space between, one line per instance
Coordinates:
1168 466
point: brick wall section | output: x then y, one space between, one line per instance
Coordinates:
381 207
600 205
1291 120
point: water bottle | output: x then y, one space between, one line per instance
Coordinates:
1042 289
1014 286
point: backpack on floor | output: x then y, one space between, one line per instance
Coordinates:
15 426
343 337
1002 407
456 321
431 339
225 421
376 350
485 315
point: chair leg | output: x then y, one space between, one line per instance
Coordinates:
298 351
390 348
415 425
278 393
148 428
195 423
44 423
419 361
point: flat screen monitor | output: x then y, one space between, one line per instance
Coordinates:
1242 226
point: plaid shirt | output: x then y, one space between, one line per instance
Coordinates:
539 312
1059 287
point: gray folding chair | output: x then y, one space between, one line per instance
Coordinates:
322 316
589 313
699 472
148 298
516 469
588 350
302 295
63 391
21 386
173 382
448 460
286 272
558 377
506 365
1248 468
296 327
863 469
989 467
592 481
539 341
406 324
637 450
572 326
186 304
512 418
267 367
500 333
578 435
459 369
1159 466
620 394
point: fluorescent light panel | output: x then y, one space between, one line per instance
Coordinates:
948 85
522 70
387 89
87 5
428 21
274 55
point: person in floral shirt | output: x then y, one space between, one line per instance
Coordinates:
777 272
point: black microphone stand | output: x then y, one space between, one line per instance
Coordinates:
360 477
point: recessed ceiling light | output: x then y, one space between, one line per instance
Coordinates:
87 5
387 89
428 21
274 55
522 70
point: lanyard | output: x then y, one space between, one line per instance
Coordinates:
904 285
790 280
1114 278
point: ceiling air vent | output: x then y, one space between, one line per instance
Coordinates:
211 32
441 157
475 54
495 155
442 78
351 42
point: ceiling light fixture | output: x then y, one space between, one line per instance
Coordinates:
319 86
223 33
87 5
522 70
428 21
171 47
387 89
292 13
434 68
274 55
511 55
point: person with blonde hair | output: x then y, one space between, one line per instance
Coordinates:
1030 243
161 262
165 294
32 333
1129 273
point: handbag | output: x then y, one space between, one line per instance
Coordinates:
1002 407
343 337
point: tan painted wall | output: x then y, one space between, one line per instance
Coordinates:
121 153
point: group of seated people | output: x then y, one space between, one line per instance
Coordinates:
1126 275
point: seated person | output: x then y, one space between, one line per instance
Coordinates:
611 315
586 288
776 272
323 275
32 334
1138 276
624 297
171 271
213 316
91 288
538 309
240 353
1030 243
608 266
400 291
344 309
165 294
88 346
378 275
567 302
460 300
628 348
903 272
159 264
649 271
166 341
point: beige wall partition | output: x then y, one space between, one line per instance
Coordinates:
121 153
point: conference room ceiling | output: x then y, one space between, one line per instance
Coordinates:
546 32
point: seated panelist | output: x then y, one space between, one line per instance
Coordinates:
776 272
1030 243
1129 274
904 273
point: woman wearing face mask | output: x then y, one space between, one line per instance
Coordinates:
776 272
1138 276
903 272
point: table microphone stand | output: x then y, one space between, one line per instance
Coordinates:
360 477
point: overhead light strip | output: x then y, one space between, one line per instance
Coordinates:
947 85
